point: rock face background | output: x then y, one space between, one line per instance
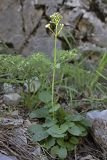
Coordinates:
22 24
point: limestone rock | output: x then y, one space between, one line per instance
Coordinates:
38 152
8 88
93 29
88 48
99 126
77 3
31 16
48 2
34 85
71 17
11 122
40 42
4 157
19 137
22 24
11 30
11 99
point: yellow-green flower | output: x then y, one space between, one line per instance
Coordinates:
56 18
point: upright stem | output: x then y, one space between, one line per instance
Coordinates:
54 72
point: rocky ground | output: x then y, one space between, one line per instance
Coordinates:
16 144
22 30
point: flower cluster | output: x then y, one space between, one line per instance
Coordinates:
55 19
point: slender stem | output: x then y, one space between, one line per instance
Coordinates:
54 72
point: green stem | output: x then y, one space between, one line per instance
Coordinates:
54 72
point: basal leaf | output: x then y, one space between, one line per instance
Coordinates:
84 133
74 140
37 132
75 130
69 146
57 131
62 153
61 142
49 122
55 108
49 143
82 128
86 123
54 150
70 124
74 118
39 113
45 96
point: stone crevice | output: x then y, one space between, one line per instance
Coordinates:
23 21
98 8
29 36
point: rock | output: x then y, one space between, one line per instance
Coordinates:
14 113
11 122
89 48
77 4
50 10
99 126
38 153
89 157
48 2
31 16
19 137
27 123
93 29
22 26
36 42
71 17
34 84
72 3
11 99
11 30
8 88
91 52
4 157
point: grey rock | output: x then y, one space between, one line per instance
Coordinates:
15 113
48 2
71 17
73 3
22 25
38 153
19 137
34 84
89 157
11 99
92 115
11 23
94 29
8 88
4 157
77 4
11 122
31 16
50 10
40 42
99 126
88 48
